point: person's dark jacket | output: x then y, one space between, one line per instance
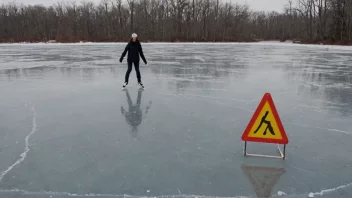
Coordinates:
134 50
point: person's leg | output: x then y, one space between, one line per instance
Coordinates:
271 130
136 66
266 129
128 71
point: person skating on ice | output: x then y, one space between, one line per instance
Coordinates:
135 51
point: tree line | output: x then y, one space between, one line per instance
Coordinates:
176 20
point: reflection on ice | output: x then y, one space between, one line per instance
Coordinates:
263 179
134 114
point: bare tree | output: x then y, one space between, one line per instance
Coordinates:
176 20
131 6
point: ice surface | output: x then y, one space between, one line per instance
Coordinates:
67 129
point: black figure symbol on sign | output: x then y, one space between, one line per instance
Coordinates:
268 123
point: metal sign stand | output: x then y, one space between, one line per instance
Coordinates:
282 154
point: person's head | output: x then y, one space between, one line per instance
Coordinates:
134 37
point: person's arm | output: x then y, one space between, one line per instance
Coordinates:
141 53
124 52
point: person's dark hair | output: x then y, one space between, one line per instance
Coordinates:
137 40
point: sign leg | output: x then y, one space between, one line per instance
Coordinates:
245 149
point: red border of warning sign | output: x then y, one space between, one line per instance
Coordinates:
266 98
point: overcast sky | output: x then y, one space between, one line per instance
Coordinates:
267 5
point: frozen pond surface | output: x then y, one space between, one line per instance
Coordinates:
67 129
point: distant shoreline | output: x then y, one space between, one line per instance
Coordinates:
325 43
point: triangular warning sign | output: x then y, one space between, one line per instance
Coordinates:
263 179
265 125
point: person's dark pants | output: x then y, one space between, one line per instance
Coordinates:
136 67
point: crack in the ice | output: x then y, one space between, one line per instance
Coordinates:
179 191
308 171
326 129
211 97
26 149
322 192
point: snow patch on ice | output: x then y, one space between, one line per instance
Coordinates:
68 194
280 193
